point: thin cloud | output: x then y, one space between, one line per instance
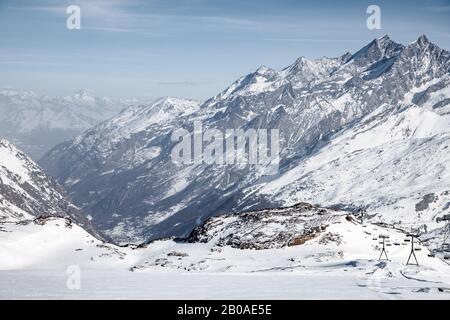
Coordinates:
107 9
445 8
99 9
226 20
43 8
121 16
178 83
125 30
312 40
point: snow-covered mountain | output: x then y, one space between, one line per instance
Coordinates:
368 129
124 149
36 123
26 192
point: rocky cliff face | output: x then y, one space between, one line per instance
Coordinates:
266 229
26 192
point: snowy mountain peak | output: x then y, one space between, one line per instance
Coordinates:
264 70
84 93
300 64
12 93
7 145
162 109
384 42
378 49
384 38
423 44
174 102
300 61
429 60
83 96
422 40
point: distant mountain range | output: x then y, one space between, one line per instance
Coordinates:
36 123
365 130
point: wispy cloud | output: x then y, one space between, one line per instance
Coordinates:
97 8
54 9
125 30
313 40
183 18
226 20
444 8
178 83
126 10
30 62
132 16
115 12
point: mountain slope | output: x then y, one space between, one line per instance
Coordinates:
52 243
135 192
118 157
27 192
385 165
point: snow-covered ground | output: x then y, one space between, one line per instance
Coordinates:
112 284
341 263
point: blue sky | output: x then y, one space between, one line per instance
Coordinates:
195 48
